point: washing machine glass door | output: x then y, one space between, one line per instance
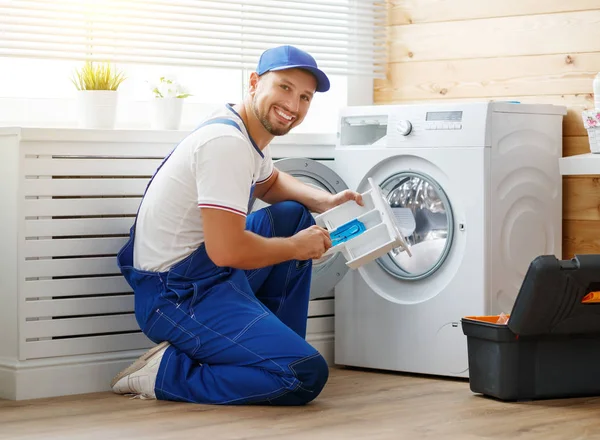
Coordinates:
432 230
328 271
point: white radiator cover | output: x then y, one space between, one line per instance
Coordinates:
66 314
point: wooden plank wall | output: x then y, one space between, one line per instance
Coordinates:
542 51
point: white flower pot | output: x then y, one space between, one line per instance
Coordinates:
166 113
97 108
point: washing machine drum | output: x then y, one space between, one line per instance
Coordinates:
328 271
432 232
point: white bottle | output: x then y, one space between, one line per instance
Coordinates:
597 92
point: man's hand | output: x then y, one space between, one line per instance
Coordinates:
334 200
311 243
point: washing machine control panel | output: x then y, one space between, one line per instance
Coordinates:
415 125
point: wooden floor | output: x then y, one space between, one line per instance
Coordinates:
355 404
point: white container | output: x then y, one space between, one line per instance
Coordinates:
591 122
381 234
596 87
594 139
97 108
165 113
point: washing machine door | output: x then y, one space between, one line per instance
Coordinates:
397 275
328 271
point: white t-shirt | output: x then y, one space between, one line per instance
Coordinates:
217 167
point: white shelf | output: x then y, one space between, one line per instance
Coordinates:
580 164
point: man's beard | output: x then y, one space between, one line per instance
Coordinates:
266 123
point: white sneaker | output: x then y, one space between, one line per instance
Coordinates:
139 378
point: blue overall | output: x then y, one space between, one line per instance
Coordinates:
236 336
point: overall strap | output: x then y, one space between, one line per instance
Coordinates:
225 121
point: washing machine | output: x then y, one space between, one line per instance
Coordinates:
483 186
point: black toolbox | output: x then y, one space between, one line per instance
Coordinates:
550 346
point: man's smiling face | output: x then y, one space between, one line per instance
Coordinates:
281 99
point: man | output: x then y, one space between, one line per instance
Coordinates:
225 294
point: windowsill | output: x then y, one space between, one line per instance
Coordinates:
581 164
141 134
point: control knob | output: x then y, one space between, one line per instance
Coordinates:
404 127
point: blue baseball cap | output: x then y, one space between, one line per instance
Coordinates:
290 57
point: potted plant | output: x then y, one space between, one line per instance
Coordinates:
167 105
97 98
